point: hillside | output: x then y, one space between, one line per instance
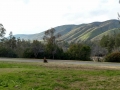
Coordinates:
82 32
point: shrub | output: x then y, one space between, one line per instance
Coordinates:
113 57
7 52
28 53
79 52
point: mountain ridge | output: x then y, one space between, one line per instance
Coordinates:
77 33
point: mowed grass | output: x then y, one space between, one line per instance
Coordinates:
52 76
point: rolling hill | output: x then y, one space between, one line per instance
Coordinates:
83 32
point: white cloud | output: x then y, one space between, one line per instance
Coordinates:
34 16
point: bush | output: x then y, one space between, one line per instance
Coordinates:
113 57
28 53
79 52
7 52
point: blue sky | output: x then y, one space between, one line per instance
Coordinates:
35 16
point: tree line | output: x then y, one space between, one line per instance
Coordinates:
51 47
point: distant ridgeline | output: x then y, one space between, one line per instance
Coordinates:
83 32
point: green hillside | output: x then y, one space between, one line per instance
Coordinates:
83 32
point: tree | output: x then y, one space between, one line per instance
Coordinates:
12 41
79 52
97 50
59 53
117 41
28 53
7 52
2 31
108 42
22 46
113 57
37 47
51 39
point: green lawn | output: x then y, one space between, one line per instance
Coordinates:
39 76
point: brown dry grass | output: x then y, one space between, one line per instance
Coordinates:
78 67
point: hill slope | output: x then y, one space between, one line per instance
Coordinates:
78 33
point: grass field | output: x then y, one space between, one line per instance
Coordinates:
40 76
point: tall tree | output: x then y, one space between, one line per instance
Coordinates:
51 39
12 41
2 31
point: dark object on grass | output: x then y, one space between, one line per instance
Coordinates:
44 60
